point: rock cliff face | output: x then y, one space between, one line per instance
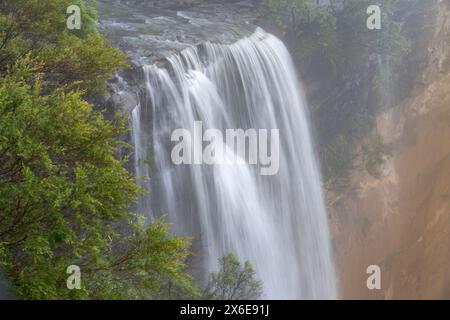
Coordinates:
150 30
401 222
5 292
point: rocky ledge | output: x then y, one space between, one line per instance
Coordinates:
150 30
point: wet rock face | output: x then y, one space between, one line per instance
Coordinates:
151 30
168 4
5 293
148 31
178 4
401 222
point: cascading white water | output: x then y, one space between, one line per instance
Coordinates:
277 222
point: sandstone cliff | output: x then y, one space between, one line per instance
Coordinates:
401 222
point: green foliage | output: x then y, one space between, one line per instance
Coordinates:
148 264
64 197
83 64
336 34
81 59
309 28
233 281
64 200
334 40
374 151
338 160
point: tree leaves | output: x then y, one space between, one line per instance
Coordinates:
233 281
64 197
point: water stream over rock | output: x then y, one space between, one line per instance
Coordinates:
277 222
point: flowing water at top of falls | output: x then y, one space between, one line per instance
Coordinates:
277 222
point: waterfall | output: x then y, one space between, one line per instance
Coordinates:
278 222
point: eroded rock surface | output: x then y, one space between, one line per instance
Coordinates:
401 222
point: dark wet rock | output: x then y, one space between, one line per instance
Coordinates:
5 292
148 31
